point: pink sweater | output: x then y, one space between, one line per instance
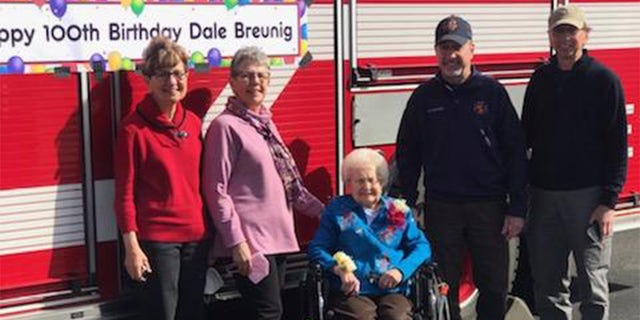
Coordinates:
243 190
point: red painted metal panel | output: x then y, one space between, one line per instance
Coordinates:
429 60
40 131
306 117
626 63
101 129
41 271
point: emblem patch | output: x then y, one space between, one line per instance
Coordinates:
452 25
480 108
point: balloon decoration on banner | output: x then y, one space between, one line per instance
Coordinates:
125 3
127 64
244 2
39 3
137 6
114 60
15 65
197 57
37 68
58 7
97 58
289 59
226 62
214 57
276 62
230 4
304 33
3 69
302 8
304 46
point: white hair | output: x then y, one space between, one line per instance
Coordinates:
365 157
252 55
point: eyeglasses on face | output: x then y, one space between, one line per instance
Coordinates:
364 181
248 76
165 74
565 30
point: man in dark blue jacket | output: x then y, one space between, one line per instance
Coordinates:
462 130
574 120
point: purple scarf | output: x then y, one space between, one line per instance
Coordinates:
282 159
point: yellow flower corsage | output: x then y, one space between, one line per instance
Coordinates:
344 261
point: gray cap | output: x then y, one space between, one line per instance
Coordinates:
569 14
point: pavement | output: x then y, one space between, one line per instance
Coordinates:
624 276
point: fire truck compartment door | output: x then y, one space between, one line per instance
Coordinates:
377 117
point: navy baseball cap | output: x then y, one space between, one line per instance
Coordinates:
453 28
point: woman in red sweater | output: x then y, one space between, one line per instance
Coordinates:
158 204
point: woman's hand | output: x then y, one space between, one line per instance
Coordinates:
390 279
135 260
242 258
350 284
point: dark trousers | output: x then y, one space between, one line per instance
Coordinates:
455 227
393 306
264 298
174 289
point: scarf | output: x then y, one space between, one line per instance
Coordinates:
282 159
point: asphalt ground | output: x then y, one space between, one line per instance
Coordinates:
624 276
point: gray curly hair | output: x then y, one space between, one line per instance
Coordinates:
252 55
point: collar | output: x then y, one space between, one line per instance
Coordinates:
149 110
236 106
451 87
581 63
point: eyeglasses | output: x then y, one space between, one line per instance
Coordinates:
164 75
565 31
364 181
248 76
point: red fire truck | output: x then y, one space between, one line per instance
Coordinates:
345 86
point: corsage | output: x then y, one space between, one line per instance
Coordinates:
344 261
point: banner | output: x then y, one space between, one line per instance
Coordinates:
37 36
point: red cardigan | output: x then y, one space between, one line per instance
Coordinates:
157 178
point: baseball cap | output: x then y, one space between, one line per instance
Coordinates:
569 14
453 28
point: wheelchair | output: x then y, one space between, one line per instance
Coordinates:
428 293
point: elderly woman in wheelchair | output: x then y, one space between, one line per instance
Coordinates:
368 245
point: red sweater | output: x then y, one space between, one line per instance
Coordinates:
157 165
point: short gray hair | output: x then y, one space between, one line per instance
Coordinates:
251 54
364 157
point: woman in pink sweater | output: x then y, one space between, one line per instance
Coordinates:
157 201
251 185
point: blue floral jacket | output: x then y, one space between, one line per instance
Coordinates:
393 240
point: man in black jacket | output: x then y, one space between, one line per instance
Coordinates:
462 130
575 125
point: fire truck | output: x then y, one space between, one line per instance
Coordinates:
344 85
